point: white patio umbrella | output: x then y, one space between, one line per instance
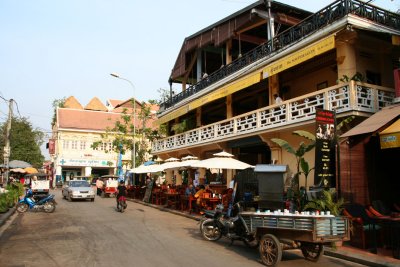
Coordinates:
222 160
147 169
187 162
171 163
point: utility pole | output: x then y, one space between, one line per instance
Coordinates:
7 141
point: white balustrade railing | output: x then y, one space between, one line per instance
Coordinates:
353 96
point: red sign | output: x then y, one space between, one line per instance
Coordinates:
52 146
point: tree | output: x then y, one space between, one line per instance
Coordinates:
58 103
302 166
122 134
25 142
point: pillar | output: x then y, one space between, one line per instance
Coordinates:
88 171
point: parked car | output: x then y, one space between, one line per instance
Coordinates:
78 189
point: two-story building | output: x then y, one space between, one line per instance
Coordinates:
76 129
341 58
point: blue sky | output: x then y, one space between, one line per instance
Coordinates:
55 49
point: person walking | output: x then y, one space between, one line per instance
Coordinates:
99 185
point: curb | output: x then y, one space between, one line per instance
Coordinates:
4 216
358 258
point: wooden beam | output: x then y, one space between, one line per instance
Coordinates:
251 39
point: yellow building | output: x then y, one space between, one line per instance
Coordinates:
75 130
339 59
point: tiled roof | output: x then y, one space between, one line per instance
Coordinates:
96 104
86 119
71 102
91 120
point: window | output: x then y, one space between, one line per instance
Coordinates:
74 144
83 145
65 144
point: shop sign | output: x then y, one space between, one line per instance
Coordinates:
325 151
86 163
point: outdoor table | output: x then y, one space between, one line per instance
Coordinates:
211 202
171 198
187 202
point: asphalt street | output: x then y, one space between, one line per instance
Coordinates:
84 233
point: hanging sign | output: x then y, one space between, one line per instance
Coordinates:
325 164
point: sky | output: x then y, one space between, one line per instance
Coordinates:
55 49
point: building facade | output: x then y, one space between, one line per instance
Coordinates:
77 128
340 59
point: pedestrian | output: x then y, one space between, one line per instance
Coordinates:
278 99
99 185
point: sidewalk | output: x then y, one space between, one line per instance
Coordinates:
383 258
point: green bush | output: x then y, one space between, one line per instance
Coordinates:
3 203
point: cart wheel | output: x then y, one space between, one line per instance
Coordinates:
270 250
312 251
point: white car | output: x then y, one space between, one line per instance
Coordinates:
78 189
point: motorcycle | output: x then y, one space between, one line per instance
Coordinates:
233 228
121 204
48 204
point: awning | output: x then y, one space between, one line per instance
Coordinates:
375 122
390 137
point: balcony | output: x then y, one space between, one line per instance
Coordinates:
347 98
314 23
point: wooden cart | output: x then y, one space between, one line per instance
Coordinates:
283 232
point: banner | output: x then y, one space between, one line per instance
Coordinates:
52 146
325 163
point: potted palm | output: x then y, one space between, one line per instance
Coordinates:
327 202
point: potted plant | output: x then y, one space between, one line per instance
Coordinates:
328 202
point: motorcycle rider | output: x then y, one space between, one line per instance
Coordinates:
121 190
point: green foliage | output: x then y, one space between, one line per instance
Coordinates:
123 134
3 203
358 77
183 126
10 198
302 165
327 203
57 103
25 141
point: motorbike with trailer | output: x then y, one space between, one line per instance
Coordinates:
277 231
216 224
47 203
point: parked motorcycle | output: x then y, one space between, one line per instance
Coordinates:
233 228
48 204
121 204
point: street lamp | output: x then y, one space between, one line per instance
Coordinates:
116 75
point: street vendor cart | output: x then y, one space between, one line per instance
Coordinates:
277 231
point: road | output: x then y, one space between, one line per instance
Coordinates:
84 233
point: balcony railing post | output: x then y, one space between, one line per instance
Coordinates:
199 134
288 112
353 95
258 119
375 99
327 104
